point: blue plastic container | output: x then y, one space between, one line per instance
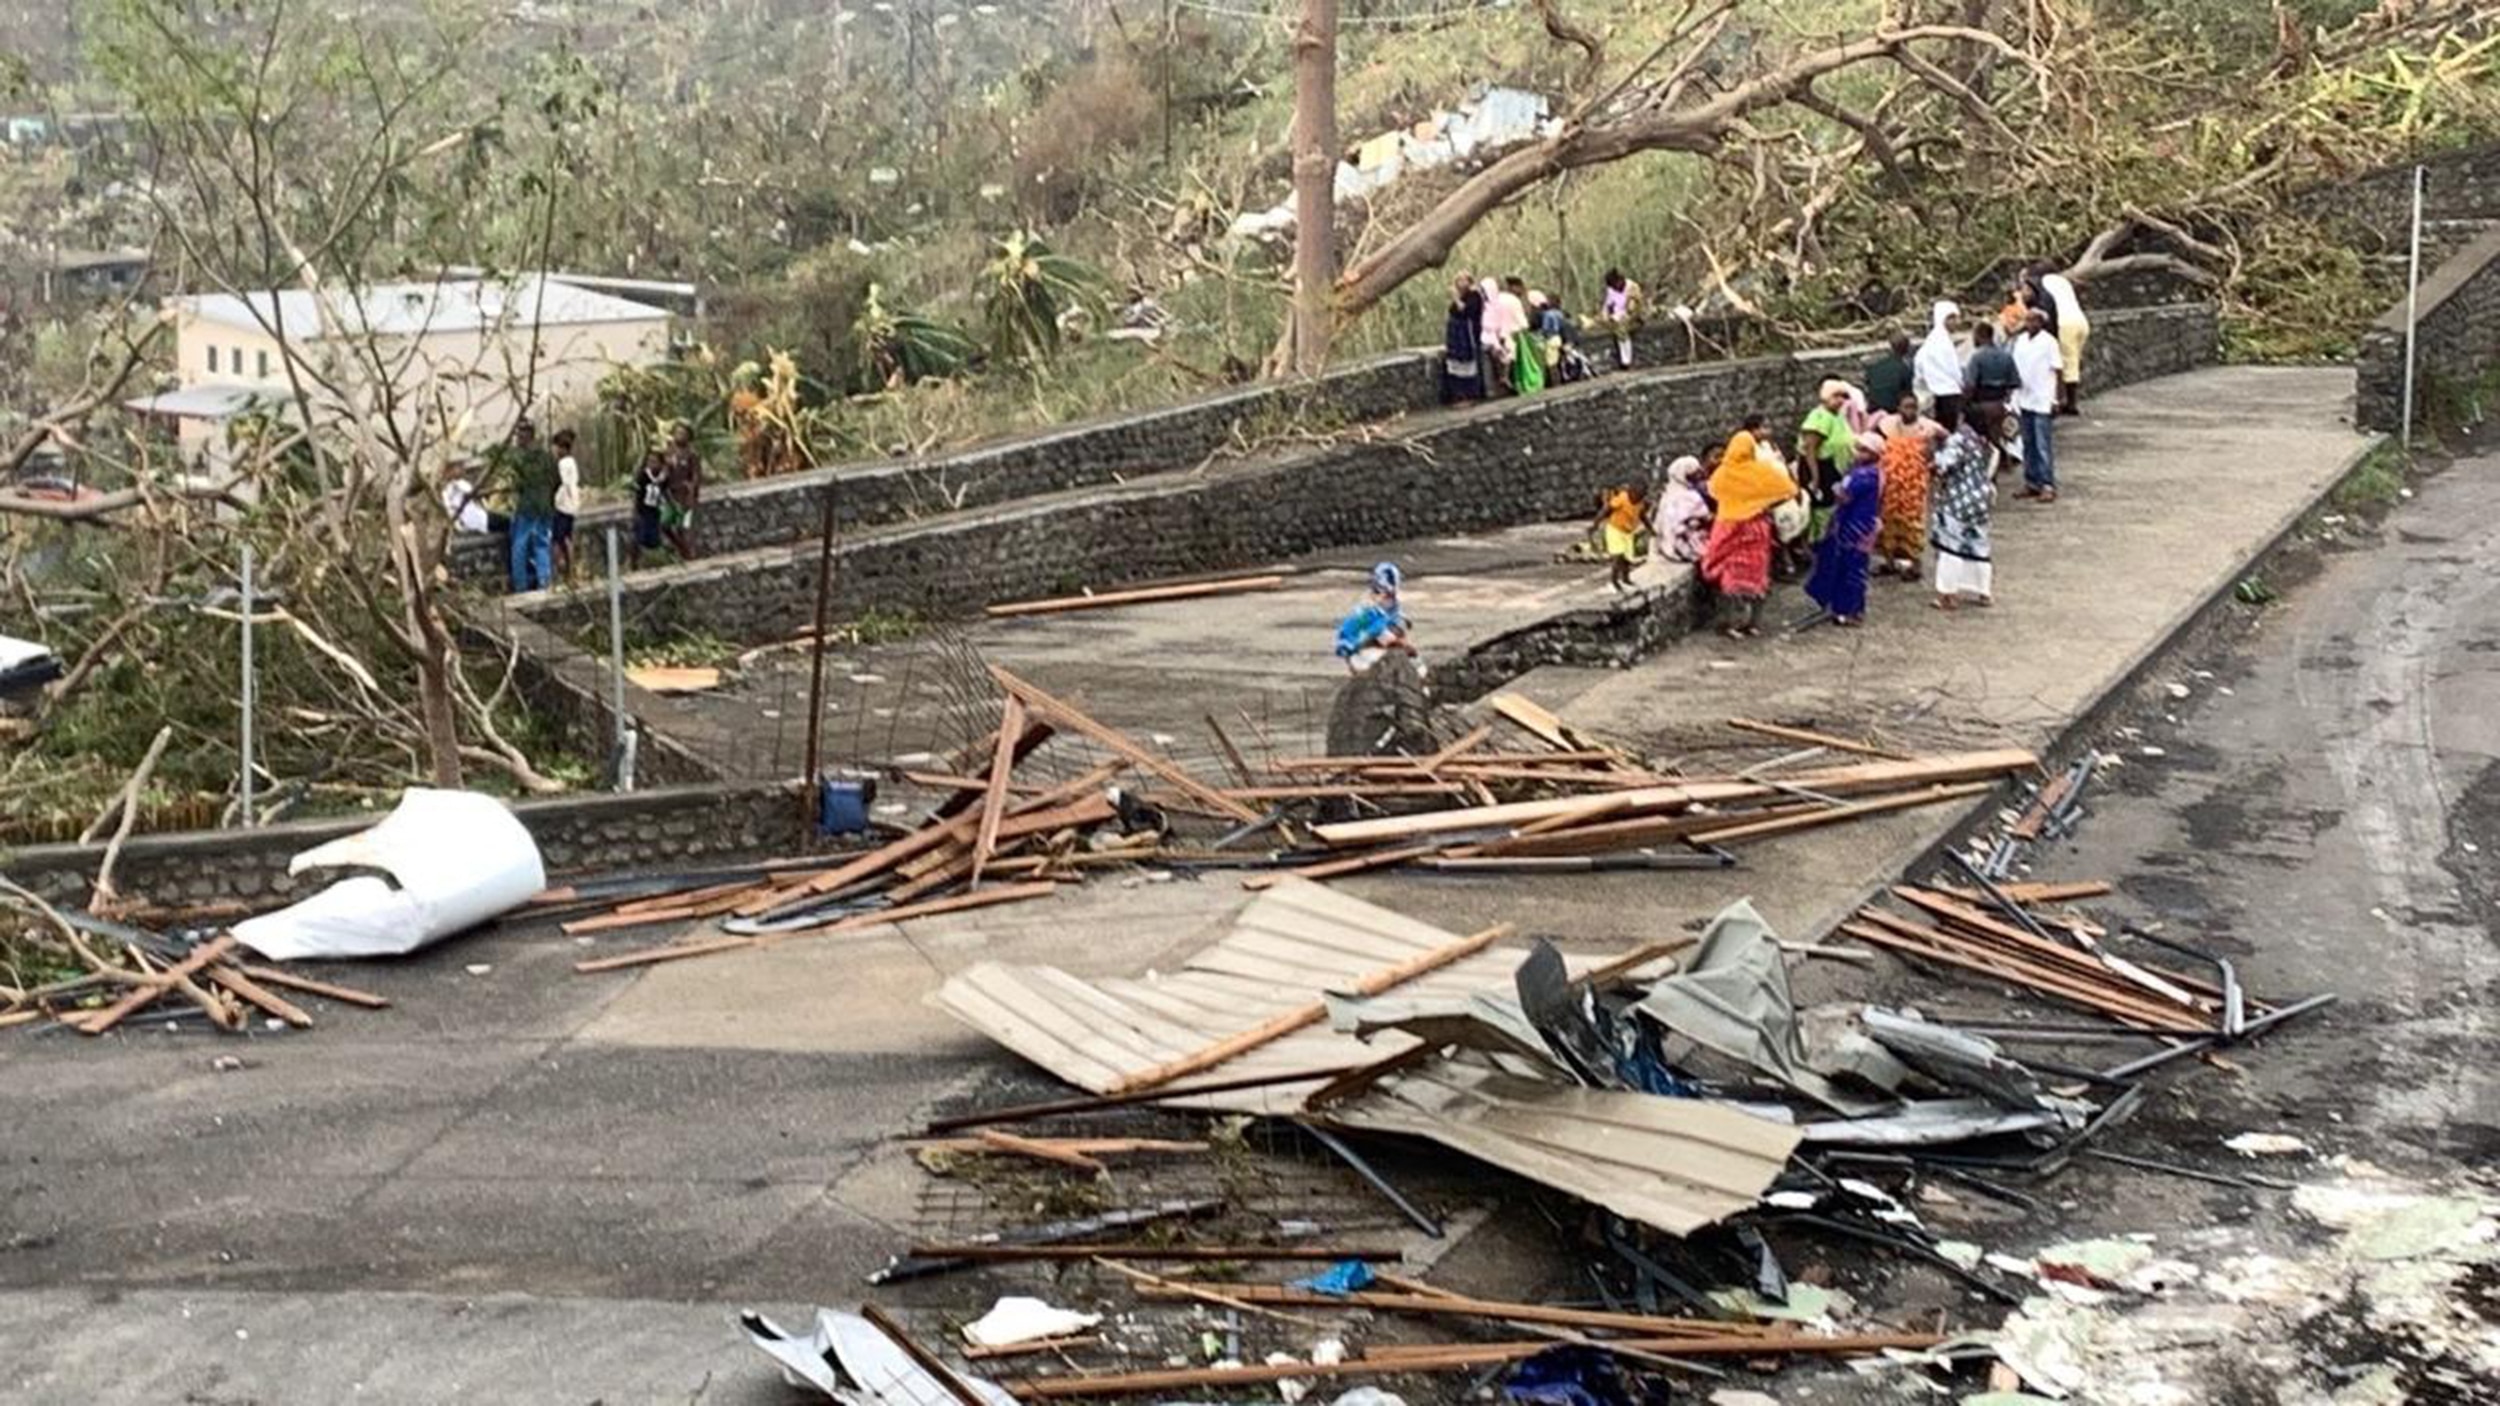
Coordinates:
842 804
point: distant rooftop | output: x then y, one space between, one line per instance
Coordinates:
408 309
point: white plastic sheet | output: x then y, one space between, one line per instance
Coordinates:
1015 1320
455 859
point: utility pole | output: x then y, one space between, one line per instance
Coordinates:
616 669
250 693
1171 34
809 802
2413 296
1314 183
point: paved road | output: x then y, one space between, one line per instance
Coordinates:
2326 808
522 1185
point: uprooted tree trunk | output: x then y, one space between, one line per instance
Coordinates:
1670 112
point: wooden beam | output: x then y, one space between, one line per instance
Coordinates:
994 800
1232 755
1142 595
1536 719
261 996
1455 1357
158 984
927 837
1459 1306
1810 738
1095 1103
1475 737
2030 893
921 1357
1001 1141
704 947
1332 868
1067 716
1868 777
345 995
1839 815
1324 1254
1285 1023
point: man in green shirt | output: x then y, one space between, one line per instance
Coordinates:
532 472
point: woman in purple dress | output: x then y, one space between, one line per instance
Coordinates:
1840 559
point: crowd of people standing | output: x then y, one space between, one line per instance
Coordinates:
542 485
1501 336
1901 463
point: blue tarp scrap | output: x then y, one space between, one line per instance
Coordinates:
1574 1375
1343 1277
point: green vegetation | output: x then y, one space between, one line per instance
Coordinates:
2375 483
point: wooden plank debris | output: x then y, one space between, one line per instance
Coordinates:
344 995
1141 595
664 678
1285 1023
1454 1357
1811 738
1177 1253
1068 716
999 1140
994 800
213 950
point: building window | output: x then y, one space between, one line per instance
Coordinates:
264 364
237 354
212 361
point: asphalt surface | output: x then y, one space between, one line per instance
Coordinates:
463 1199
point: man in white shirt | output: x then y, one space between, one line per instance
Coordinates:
2038 360
2073 330
568 502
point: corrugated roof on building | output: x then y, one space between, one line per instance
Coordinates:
410 309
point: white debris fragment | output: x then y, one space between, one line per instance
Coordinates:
2149 750
2179 690
1015 1320
2265 1145
478 968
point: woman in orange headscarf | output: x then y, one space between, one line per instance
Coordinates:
1737 559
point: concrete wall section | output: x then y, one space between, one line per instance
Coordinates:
1511 462
665 830
738 516
2458 336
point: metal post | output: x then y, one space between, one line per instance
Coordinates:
816 663
616 668
2413 293
250 692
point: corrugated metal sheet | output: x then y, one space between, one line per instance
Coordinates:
1666 1162
1674 1163
1291 944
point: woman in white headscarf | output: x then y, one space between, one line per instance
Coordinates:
1681 526
1937 370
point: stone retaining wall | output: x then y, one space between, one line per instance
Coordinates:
2457 337
2378 206
665 830
736 516
1511 462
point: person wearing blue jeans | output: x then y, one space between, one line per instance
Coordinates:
2038 360
533 472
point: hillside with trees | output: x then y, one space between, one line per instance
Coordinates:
916 224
